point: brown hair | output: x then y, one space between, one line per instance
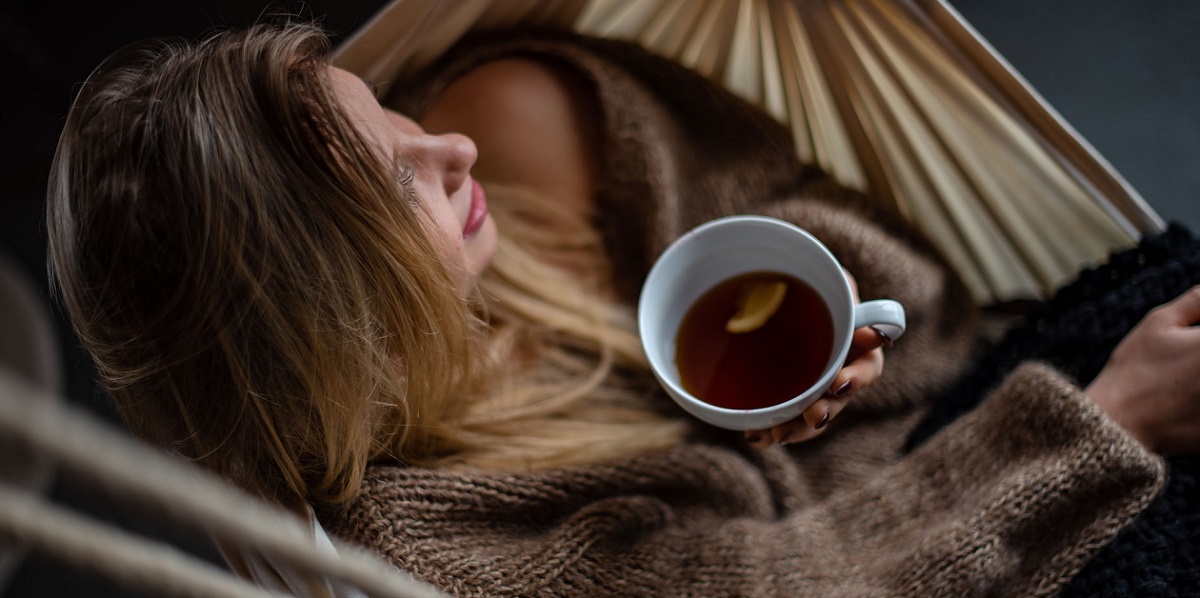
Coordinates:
259 295
255 288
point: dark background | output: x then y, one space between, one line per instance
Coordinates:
1125 74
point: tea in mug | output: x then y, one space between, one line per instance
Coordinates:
754 340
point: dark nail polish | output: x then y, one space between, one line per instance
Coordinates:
823 422
887 340
753 438
841 390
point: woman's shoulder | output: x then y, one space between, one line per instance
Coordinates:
534 122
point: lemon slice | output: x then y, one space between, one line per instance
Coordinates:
757 302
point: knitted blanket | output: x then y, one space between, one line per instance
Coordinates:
1075 331
1010 499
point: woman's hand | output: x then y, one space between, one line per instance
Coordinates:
864 364
1151 383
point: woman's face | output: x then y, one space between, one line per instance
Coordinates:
440 166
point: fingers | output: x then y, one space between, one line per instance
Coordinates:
760 439
864 365
812 423
1184 310
859 373
1151 382
863 341
853 284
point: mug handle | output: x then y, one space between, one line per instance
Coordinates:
885 314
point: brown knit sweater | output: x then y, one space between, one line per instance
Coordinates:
1009 501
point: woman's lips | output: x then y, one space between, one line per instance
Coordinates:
478 212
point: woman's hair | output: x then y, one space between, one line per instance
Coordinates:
254 286
259 294
570 383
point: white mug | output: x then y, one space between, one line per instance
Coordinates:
721 249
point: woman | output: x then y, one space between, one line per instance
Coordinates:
305 292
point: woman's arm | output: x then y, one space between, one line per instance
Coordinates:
1151 384
1011 502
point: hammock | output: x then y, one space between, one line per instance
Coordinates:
898 98
114 465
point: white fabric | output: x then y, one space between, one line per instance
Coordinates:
273 575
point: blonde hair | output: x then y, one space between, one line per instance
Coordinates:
571 382
259 295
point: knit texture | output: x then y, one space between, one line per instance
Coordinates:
1011 499
991 508
1076 331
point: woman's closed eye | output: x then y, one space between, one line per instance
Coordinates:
405 176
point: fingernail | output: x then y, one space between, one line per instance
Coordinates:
823 422
887 340
841 390
753 437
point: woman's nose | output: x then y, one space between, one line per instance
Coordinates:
452 155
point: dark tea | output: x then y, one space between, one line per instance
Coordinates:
778 359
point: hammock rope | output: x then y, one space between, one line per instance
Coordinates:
125 469
112 553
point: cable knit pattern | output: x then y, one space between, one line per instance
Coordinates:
1009 500
991 507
